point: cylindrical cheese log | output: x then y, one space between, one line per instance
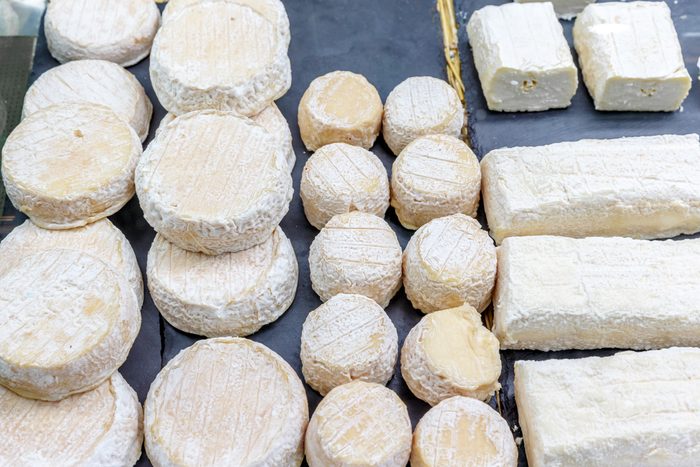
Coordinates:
340 178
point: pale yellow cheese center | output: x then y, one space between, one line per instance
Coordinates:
347 99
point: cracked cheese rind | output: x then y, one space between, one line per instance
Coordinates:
359 424
348 338
642 187
340 178
226 401
522 57
628 410
630 56
565 9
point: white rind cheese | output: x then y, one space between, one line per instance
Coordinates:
628 410
565 9
522 57
226 401
348 338
630 56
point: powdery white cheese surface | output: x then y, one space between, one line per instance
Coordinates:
565 9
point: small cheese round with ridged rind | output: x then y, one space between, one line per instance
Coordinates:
226 401
421 106
435 176
340 107
214 182
67 322
232 294
348 338
100 428
340 178
359 424
356 253
120 31
219 55
71 164
448 262
462 431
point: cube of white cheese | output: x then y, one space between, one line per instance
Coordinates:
630 56
522 57
565 9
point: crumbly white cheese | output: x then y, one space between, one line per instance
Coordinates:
630 56
522 57
644 187
628 410
340 178
565 9
226 401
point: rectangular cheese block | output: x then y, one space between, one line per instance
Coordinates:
522 57
556 293
565 9
630 56
628 410
643 187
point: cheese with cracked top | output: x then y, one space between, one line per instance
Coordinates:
565 9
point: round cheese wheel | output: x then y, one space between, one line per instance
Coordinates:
67 322
120 31
356 253
219 55
70 164
340 178
421 106
340 107
450 353
359 424
100 428
214 182
232 294
435 176
226 401
461 431
95 81
448 262
348 338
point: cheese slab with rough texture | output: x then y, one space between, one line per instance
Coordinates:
522 57
120 31
630 56
70 164
642 187
461 431
628 410
226 401
565 9
232 294
340 178
359 424
214 182
348 338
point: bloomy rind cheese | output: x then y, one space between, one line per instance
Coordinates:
565 9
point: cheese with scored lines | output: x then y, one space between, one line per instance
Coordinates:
565 9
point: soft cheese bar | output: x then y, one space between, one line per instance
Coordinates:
642 187
556 293
565 9
522 57
630 56
631 409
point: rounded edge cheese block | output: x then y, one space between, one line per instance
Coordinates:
232 294
421 106
98 428
70 164
435 176
226 401
93 81
120 31
67 322
340 178
219 55
356 253
340 107
448 262
461 431
359 424
450 353
348 338
214 182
